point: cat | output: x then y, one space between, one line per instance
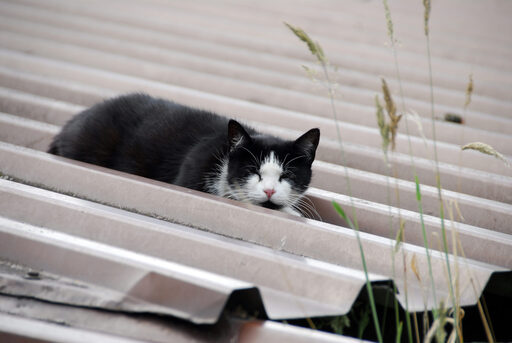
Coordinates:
197 149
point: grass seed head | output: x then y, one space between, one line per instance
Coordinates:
389 22
311 73
469 91
486 149
390 105
399 235
381 122
426 4
314 48
391 109
414 268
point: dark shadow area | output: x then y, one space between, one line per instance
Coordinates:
246 304
495 304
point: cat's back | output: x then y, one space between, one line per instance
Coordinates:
111 132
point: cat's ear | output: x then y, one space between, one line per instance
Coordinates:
307 143
237 135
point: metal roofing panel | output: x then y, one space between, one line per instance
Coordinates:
250 223
488 246
193 62
28 133
455 177
39 322
142 282
478 212
58 56
207 82
500 242
272 332
17 329
295 294
306 103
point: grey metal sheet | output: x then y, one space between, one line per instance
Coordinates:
159 22
196 45
58 54
77 93
486 245
83 320
15 329
466 180
25 132
290 286
251 223
87 95
304 103
141 283
29 320
273 332
102 59
476 211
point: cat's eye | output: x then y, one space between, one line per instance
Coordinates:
256 172
253 170
285 175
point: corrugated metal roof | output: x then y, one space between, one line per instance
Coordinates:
290 297
137 283
58 57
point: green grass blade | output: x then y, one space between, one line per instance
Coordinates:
399 332
427 4
369 289
318 52
342 214
425 241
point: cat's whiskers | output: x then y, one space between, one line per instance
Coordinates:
304 209
312 210
306 199
284 159
299 206
304 204
237 193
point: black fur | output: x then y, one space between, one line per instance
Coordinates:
165 141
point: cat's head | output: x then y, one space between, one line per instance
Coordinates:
268 171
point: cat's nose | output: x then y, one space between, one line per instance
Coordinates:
269 192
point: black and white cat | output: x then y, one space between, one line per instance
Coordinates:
165 141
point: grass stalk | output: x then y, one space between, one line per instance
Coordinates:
425 242
389 22
416 328
387 130
393 266
426 4
317 51
455 239
340 211
482 307
469 92
354 226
